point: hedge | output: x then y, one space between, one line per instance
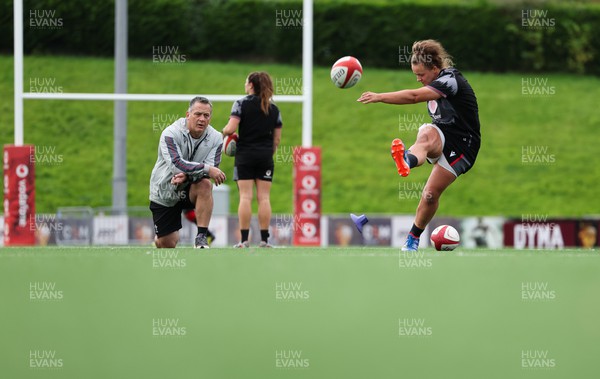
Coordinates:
482 37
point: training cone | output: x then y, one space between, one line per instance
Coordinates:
359 221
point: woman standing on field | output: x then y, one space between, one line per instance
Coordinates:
259 123
451 142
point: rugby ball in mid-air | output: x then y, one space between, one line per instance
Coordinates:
230 144
346 72
445 238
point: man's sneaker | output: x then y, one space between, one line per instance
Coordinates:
264 244
201 242
242 245
400 158
411 244
210 237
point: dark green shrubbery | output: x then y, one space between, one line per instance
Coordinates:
483 37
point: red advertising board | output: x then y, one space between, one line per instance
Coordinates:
307 196
19 195
548 234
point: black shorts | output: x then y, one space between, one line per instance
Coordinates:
458 156
250 167
168 219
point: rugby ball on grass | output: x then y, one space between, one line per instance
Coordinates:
346 72
445 238
230 144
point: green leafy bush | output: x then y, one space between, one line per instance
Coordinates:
485 37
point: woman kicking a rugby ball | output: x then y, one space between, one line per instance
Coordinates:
452 140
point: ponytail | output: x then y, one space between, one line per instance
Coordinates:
263 88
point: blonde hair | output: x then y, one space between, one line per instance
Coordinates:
263 88
431 54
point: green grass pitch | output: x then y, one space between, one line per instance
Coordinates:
298 313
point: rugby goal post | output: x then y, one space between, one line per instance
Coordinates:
120 97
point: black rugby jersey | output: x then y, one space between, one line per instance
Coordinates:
456 112
256 128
